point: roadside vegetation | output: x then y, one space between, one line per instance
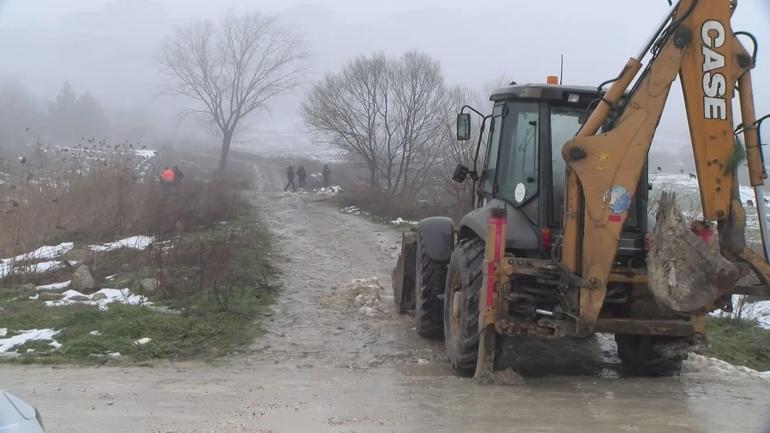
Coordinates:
175 273
739 342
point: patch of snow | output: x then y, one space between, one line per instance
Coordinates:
134 242
400 220
6 344
34 297
330 190
3 332
111 277
8 265
142 341
46 252
54 286
123 296
351 210
699 364
758 311
145 153
95 333
41 267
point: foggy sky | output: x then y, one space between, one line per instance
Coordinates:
110 47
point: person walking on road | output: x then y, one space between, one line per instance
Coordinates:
301 175
290 176
327 172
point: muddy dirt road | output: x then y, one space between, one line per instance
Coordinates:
323 368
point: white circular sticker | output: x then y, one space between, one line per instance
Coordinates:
520 192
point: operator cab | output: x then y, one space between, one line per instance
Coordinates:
524 168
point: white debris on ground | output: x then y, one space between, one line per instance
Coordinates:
351 210
399 221
23 336
54 286
100 299
95 333
364 295
699 364
134 242
330 190
142 341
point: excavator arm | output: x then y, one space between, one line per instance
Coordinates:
696 43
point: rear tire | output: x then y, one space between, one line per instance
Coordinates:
461 305
429 286
652 355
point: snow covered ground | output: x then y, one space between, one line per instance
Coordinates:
699 364
100 299
53 286
134 242
10 264
6 344
43 260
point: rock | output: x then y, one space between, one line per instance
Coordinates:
150 285
82 279
79 255
98 296
125 267
48 296
79 298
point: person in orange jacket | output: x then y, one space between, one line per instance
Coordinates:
167 177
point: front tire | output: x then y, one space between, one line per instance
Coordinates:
461 305
429 286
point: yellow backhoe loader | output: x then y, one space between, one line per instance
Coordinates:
561 244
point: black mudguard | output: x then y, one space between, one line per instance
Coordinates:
437 238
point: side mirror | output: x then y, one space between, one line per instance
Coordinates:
463 127
460 174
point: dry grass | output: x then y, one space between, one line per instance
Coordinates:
99 193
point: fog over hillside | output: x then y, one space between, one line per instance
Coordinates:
110 49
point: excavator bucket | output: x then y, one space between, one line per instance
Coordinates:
685 273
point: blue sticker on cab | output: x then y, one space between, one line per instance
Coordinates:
619 199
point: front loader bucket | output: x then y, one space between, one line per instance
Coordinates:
685 273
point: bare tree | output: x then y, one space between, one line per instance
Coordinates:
347 108
420 95
385 112
232 68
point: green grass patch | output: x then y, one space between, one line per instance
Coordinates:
739 342
217 283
